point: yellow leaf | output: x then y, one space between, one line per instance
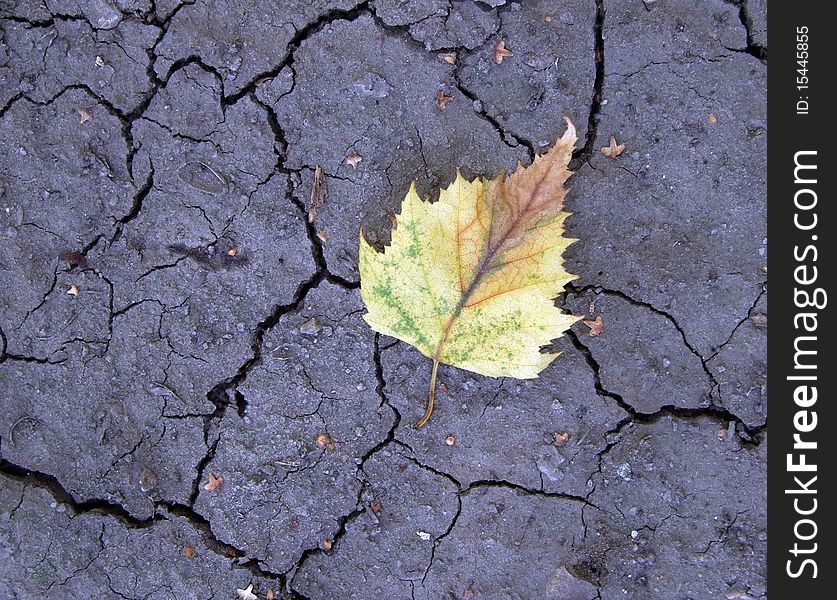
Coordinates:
470 280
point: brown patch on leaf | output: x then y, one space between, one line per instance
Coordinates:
613 149
501 52
596 326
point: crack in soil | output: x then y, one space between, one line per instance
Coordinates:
584 153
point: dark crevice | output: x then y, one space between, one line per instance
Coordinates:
342 525
51 484
293 45
754 49
509 138
583 154
510 485
748 435
749 316
108 508
50 22
360 506
226 392
281 150
454 520
136 207
11 102
495 123
578 291
384 401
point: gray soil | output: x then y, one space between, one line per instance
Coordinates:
167 310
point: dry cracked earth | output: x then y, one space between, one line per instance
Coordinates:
168 311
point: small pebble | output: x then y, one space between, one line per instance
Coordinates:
624 471
450 440
311 327
148 480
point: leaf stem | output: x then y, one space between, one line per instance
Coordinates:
431 396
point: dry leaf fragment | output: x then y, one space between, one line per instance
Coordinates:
324 441
246 594
73 291
613 150
560 439
318 192
327 544
393 222
596 326
759 320
232 251
269 594
712 119
321 235
189 551
74 259
377 507
501 52
84 115
449 57
353 159
442 99
722 433
494 248
214 483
